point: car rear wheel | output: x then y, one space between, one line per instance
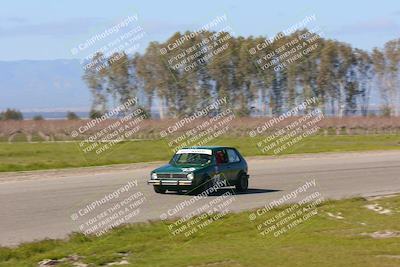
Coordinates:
159 190
243 183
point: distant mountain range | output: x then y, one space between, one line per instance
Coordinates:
43 86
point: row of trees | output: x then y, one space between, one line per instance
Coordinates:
340 76
13 114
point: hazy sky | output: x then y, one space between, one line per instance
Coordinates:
46 29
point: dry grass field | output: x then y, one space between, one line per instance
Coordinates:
60 130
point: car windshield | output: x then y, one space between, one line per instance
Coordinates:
191 158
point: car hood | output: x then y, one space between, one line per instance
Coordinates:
169 168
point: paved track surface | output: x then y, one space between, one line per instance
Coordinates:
39 204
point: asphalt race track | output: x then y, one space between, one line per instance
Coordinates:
39 204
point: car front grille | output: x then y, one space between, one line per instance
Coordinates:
171 175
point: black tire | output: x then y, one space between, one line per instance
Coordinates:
159 190
243 183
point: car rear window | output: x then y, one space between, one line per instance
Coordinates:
233 156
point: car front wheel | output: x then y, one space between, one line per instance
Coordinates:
159 190
243 183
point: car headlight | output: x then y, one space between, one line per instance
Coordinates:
154 175
190 176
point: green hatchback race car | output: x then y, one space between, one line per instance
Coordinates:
195 169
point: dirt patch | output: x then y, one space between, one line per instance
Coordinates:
75 260
389 256
231 263
383 234
336 216
378 209
123 262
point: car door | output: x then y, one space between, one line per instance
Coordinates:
234 163
222 162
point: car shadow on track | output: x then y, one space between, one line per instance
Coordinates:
222 191
249 191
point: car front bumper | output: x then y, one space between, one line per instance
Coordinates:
170 182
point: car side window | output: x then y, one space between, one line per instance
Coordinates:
221 157
233 156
